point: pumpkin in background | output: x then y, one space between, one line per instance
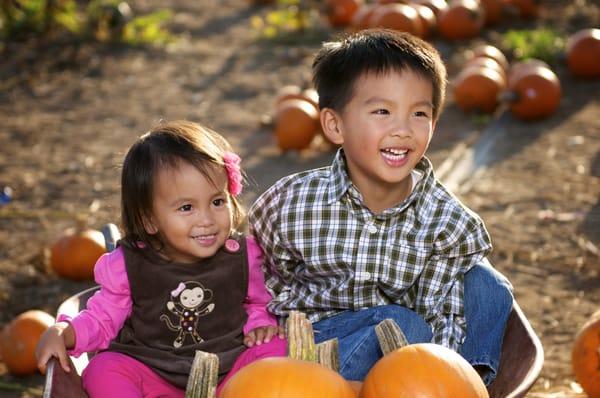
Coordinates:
340 12
427 18
463 19
423 370
585 356
487 63
487 51
436 6
294 92
525 8
523 67
75 253
19 339
477 88
296 124
400 17
285 377
583 53
493 11
362 17
534 93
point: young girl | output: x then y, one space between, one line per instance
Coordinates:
182 279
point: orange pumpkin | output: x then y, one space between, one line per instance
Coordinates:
526 8
296 124
427 18
362 17
423 370
536 93
477 88
400 17
19 338
436 6
492 52
340 12
493 11
74 255
463 19
520 68
585 357
583 53
295 92
286 377
487 63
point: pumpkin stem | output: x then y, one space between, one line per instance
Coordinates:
328 354
390 336
202 382
301 340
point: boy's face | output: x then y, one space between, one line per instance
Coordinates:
385 129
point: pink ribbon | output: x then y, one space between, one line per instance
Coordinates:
234 174
175 293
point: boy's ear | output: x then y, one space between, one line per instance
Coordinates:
331 124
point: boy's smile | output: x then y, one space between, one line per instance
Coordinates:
385 130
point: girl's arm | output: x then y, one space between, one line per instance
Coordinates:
106 311
257 296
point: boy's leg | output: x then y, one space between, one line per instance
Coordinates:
358 344
488 302
110 374
275 348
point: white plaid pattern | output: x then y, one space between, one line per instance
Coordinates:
326 252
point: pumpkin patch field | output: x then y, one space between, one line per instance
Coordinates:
70 106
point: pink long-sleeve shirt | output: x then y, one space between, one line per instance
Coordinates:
108 309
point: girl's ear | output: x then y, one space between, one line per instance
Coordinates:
150 227
332 126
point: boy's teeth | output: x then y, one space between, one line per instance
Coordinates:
396 151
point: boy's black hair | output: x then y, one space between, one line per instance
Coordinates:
339 64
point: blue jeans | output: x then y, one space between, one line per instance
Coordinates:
488 302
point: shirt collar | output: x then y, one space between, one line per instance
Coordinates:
339 180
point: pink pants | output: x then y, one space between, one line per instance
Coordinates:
110 374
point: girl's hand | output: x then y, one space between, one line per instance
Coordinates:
53 343
262 334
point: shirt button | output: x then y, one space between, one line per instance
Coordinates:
366 276
372 229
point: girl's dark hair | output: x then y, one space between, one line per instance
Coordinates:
339 64
166 145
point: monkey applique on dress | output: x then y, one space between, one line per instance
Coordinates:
188 304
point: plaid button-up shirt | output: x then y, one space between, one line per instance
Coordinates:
325 252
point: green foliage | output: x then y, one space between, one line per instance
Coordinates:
293 21
102 20
544 44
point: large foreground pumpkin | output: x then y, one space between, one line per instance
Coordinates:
425 371
75 253
286 377
585 356
19 338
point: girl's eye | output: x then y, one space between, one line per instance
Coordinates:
219 202
187 207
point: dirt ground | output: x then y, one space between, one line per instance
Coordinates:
70 112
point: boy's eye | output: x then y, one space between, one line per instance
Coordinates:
421 114
187 207
381 112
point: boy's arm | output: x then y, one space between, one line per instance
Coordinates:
441 287
107 310
257 296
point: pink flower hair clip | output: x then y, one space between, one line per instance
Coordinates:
234 174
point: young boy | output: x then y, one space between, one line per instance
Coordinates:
375 235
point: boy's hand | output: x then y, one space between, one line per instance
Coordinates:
52 344
262 334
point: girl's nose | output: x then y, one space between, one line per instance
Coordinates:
204 217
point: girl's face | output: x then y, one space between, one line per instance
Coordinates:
190 215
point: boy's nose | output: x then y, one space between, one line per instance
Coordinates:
401 129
